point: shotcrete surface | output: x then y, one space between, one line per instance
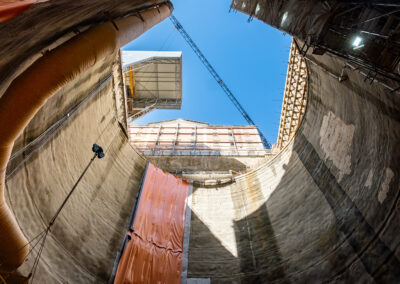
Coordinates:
86 237
48 24
83 244
323 210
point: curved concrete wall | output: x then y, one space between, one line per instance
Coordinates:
82 245
325 209
45 25
86 237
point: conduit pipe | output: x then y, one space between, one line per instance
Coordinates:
11 9
30 91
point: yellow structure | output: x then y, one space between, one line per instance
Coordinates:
129 77
152 80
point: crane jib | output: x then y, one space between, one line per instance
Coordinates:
217 78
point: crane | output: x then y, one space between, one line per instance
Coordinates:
217 78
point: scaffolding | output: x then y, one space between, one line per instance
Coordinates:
295 97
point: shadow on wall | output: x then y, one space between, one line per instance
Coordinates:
177 164
258 250
325 209
208 257
257 254
304 229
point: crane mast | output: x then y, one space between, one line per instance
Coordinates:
217 78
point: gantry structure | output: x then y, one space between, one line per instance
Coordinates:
294 98
152 80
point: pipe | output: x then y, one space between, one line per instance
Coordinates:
11 9
30 91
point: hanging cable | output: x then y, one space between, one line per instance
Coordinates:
98 153
28 243
43 231
41 237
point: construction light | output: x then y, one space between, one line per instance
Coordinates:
284 17
257 8
98 150
357 43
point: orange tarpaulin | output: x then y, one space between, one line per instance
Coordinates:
154 253
43 78
11 8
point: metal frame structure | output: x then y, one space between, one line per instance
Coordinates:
333 26
155 87
183 139
295 97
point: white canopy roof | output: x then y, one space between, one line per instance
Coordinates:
158 78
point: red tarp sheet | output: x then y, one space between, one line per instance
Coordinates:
154 254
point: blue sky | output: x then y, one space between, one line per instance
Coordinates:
250 57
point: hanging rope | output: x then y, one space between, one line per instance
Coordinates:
30 250
98 153
31 241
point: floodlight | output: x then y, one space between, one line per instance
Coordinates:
357 41
284 17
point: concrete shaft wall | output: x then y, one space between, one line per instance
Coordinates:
86 237
323 210
83 244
